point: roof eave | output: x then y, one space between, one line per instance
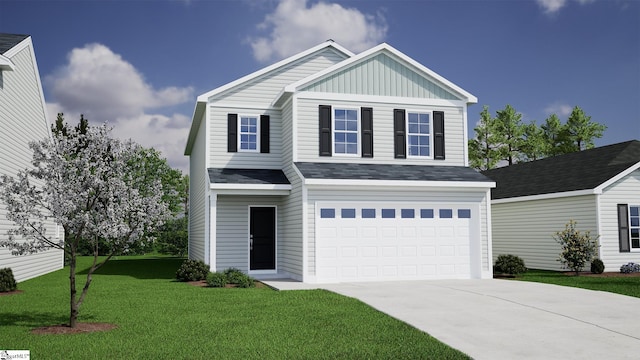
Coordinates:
198 113
614 179
6 64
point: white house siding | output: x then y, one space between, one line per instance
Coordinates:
232 233
262 90
381 75
527 228
623 191
395 196
23 119
383 146
198 202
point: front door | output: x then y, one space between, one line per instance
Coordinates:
262 238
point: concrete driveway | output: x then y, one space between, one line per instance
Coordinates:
502 319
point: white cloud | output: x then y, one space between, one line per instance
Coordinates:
103 86
552 7
294 27
559 108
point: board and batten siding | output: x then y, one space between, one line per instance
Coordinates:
198 199
383 135
221 158
527 228
623 191
263 90
23 119
394 197
381 75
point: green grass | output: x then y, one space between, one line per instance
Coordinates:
159 318
625 285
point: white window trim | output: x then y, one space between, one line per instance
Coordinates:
333 131
407 134
631 248
257 117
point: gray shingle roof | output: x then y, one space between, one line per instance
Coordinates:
312 170
7 41
576 171
247 176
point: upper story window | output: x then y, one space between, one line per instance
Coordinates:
634 226
345 132
418 134
248 133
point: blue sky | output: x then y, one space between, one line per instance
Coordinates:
140 64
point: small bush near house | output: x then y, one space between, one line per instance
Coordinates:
509 264
7 281
597 266
577 248
237 277
192 270
630 268
216 279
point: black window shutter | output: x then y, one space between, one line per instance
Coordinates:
399 134
325 130
232 132
438 136
366 121
264 133
623 227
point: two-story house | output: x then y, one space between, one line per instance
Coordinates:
330 167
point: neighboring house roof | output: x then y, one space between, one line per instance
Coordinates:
246 176
349 171
583 170
7 41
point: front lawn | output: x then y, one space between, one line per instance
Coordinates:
159 318
624 284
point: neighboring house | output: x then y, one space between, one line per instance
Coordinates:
23 118
599 188
331 167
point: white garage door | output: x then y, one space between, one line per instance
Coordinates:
377 242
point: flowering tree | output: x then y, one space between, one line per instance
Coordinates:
93 186
576 248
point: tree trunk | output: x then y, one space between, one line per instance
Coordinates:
73 314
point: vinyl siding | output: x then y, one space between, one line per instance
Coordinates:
383 146
221 158
263 90
623 191
22 119
527 228
381 75
442 196
198 200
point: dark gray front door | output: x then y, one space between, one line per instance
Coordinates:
262 238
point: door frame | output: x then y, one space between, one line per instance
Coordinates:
275 241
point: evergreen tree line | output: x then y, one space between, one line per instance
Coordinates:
506 140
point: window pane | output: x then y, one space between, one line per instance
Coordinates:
352 149
352 138
635 233
414 140
635 221
252 138
340 125
340 149
424 129
413 128
368 213
424 151
424 118
634 210
327 213
407 213
352 114
339 114
464 214
446 213
340 137
352 125
388 213
348 213
413 118
635 243
426 213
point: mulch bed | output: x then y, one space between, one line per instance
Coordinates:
203 283
6 293
79 329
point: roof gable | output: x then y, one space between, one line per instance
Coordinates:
8 41
583 170
396 75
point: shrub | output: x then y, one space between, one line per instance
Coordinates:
237 277
630 268
577 248
173 237
192 270
597 266
510 264
7 281
216 279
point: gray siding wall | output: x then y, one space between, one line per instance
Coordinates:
396 196
383 147
221 158
624 191
381 75
527 228
264 89
198 199
23 119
